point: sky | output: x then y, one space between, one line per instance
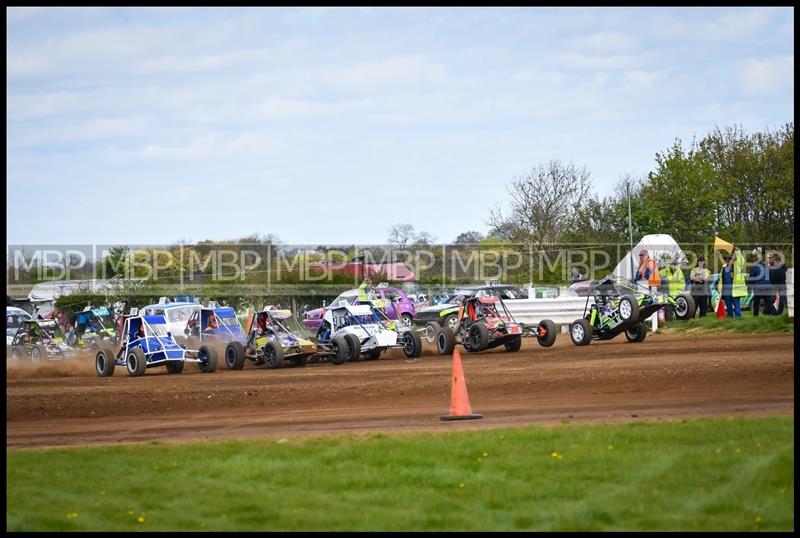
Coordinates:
329 125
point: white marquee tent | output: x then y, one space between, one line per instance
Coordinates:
659 246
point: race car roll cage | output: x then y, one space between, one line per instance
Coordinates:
349 315
166 347
199 325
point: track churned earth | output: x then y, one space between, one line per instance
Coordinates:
669 376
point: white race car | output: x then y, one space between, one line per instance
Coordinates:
365 332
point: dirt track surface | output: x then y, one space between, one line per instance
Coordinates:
668 376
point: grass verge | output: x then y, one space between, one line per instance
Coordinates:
706 475
746 324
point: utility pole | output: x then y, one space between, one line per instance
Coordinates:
630 223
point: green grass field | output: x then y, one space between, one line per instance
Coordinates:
746 324
711 474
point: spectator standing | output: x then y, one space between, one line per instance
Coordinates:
365 291
732 284
777 279
647 272
700 290
759 284
576 275
674 282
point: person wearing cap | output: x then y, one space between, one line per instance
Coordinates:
732 284
700 291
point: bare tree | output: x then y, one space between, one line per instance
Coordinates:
424 238
545 203
401 234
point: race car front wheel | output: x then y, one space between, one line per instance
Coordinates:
478 337
581 332
136 362
38 352
353 347
273 355
629 311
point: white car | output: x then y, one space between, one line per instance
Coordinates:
14 318
365 331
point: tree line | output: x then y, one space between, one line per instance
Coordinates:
730 183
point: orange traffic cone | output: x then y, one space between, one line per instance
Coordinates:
459 400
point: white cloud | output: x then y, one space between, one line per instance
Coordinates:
402 71
643 77
540 77
213 146
768 76
734 25
278 108
606 43
586 62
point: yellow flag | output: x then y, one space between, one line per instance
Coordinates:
720 244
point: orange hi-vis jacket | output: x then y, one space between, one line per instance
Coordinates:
649 272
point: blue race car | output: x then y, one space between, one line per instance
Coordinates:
217 325
146 343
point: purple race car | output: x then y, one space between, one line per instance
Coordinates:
398 306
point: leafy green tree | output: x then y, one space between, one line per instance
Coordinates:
468 238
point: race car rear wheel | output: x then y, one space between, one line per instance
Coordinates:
684 306
581 332
273 355
174 367
340 349
412 344
431 328
136 362
16 354
234 356
478 336
407 320
629 311
353 347
546 333
372 354
208 359
104 362
445 341
513 345
637 334
451 320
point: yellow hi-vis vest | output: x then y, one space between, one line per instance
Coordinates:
676 280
